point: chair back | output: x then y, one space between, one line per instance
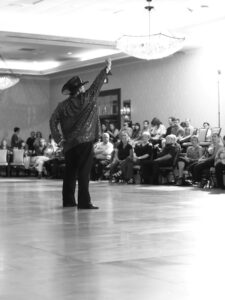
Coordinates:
18 156
3 157
202 132
216 130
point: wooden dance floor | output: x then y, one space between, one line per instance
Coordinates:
145 242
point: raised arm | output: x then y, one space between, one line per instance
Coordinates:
96 86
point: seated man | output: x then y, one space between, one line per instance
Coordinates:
126 129
164 159
188 132
177 129
102 155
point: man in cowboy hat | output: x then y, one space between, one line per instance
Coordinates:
79 122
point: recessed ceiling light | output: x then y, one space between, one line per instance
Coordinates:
69 53
204 6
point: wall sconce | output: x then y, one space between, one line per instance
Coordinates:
125 111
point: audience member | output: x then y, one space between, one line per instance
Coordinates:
4 146
143 152
113 133
16 139
126 129
30 142
102 156
136 132
42 155
122 164
206 161
145 127
171 121
188 132
38 137
55 166
164 158
208 138
220 166
177 130
189 159
103 128
157 131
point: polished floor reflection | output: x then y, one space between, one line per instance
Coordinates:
145 242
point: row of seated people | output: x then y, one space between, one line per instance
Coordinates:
43 157
35 145
182 130
118 163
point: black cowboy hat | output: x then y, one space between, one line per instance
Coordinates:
72 85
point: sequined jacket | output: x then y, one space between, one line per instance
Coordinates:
78 116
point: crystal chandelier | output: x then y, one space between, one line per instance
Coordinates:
149 46
7 80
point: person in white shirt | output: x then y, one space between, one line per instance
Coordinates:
102 156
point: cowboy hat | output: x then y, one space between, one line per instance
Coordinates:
73 85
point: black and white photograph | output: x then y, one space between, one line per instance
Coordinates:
112 149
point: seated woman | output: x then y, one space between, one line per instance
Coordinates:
104 128
220 166
43 152
113 133
157 131
102 155
23 146
143 153
38 137
136 135
122 164
5 146
145 127
206 161
189 159
164 159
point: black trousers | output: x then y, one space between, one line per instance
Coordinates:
78 167
200 167
220 168
151 170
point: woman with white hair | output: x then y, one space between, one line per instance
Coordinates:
143 153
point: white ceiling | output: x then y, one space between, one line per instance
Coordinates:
42 37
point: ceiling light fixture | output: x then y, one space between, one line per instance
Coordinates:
7 80
149 46
95 54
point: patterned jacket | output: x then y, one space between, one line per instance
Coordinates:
78 116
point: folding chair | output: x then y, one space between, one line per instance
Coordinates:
18 162
3 161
